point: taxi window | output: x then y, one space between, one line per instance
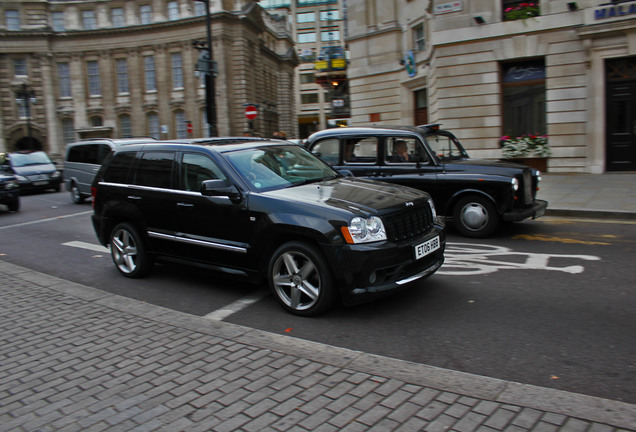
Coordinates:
404 150
360 150
328 150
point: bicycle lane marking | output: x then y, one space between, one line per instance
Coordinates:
474 259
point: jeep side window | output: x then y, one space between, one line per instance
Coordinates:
117 171
195 169
155 170
327 150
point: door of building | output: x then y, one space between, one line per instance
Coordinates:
621 115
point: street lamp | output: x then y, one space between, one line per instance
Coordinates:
208 67
25 96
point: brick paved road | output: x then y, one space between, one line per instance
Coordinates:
77 359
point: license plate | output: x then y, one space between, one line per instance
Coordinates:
429 246
40 183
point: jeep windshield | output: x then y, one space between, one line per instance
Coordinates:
446 147
277 167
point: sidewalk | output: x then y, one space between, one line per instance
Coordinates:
590 195
73 358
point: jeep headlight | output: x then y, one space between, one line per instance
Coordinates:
433 212
515 184
56 174
364 230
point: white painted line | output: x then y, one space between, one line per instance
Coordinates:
84 245
45 220
217 315
237 306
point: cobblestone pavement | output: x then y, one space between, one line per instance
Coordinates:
73 358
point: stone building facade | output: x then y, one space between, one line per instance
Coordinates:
490 68
128 68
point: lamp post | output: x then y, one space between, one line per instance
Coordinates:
208 67
24 97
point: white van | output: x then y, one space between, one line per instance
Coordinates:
84 158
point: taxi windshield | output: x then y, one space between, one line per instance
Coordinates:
446 147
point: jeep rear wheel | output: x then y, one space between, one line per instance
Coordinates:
128 251
14 206
475 216
300 279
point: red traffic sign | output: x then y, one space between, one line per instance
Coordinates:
251 112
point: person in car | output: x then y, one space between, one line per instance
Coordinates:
401 153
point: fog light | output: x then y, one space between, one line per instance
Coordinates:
372 278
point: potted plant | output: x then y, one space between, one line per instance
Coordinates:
521 11
532 150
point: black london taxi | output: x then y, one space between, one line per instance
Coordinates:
474 194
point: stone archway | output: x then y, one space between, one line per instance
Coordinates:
28 143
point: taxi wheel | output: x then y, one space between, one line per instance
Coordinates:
301 280
129 252
475 216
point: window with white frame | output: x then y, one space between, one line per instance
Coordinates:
173 10
315 2
20 67
200 8
180 124
149 73
154 130
125 126
145 14
88 20
331 35
117 17
94 79
12 18
306 37
306 17
419 37
68 131
271 4
330 15
177 71
64 79
121 66
58 21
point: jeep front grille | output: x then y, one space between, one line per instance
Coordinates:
409 223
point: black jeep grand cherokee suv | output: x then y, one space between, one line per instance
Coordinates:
265 210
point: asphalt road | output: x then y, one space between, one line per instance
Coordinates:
548 302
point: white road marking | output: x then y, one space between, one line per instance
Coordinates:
237 306
45 220
217 315
84 245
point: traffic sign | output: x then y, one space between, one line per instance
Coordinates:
251 112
